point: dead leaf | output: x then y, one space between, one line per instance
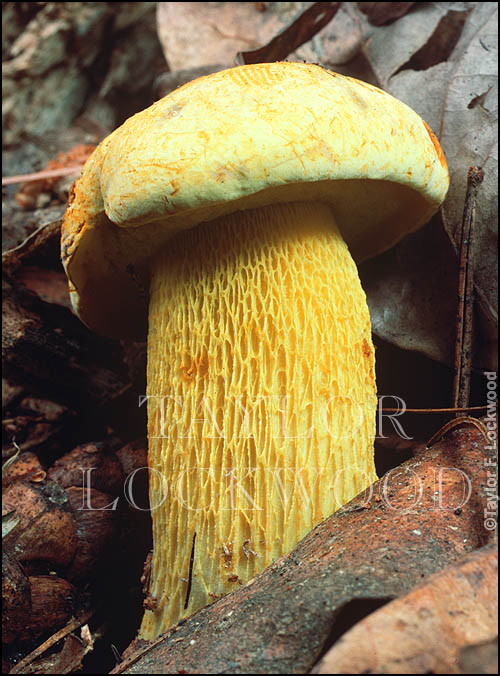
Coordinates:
424 631
49 285
481 658
405 287
390 48
409 525
381 13
222 29
45 660
37 334
305 27
66 661
469 135
458 99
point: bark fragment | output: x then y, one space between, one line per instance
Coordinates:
408 525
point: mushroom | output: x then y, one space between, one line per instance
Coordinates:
233 211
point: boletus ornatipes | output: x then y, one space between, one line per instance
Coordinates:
224 222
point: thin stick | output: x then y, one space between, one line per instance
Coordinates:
463 345
41 175
73 624
456 422
468 409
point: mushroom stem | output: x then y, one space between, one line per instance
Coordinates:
262 398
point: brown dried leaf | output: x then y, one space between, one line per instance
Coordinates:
222 29
390 48
406 288
424 631
469 134
96 531
35 423
481 658
53 600
458 99
67 661
305 27
410 524
20 465
47 349
49 285
16 598
95 457
43 659
46 530
381 13
41 248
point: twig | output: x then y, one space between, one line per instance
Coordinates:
463 345
41 175
456 422
467 409
73 624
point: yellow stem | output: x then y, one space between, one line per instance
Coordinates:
262 398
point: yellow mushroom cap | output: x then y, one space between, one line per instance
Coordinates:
238 139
